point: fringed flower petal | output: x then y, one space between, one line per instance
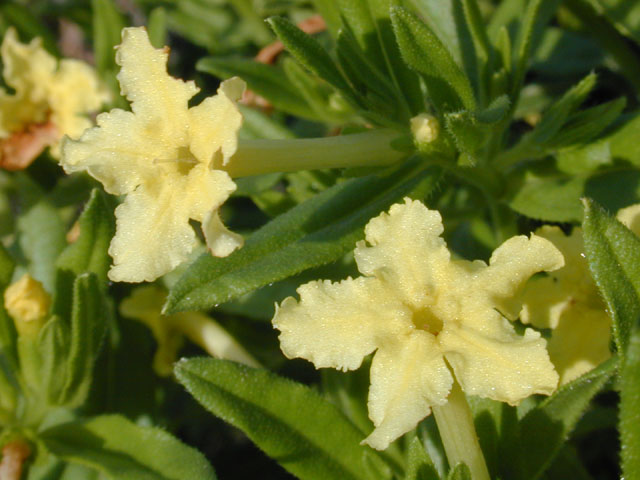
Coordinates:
406 250
337 324
408 377
497 363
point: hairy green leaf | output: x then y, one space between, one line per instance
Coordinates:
543 430
294 425
419 465
316 232
613 252
121 449
448 86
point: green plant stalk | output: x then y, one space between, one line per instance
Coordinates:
211 337
458 434
368 149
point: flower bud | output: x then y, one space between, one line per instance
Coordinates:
28 304
425 129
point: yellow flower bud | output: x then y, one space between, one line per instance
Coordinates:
28 304
425 128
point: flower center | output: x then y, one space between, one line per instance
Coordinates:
425 319
183 161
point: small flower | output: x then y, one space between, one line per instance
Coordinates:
428 317
568 302
164 156
51 100
145 304
28 304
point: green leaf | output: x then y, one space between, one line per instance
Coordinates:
536 16
53 345
294 425
121 449
460 472
42 238
369 24
625 15
422 50
310 54
107 27
613 252
419 465
544 429
618 144
88 327
556 197
630 404
157 27
6 267
89 252
267 81
316 232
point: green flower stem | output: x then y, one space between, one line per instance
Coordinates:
368 149
212 338
458 434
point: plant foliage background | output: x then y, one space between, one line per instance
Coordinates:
537 110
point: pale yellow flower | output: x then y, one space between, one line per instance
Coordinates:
145 304
568 302
28 304
428 317
163 156
47 92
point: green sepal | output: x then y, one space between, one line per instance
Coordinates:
120 449
613 252
543 430
317 231
448 86
290 422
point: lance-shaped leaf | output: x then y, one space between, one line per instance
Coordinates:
309 53
613 252
544 429
449 87
316 232
87 330
120 449
294 425
419 464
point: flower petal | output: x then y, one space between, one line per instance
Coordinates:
495 362
511 265
214 124
337 324
221 242
406 250
119 152
155 96
408 376
580 342
630 217
153 235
